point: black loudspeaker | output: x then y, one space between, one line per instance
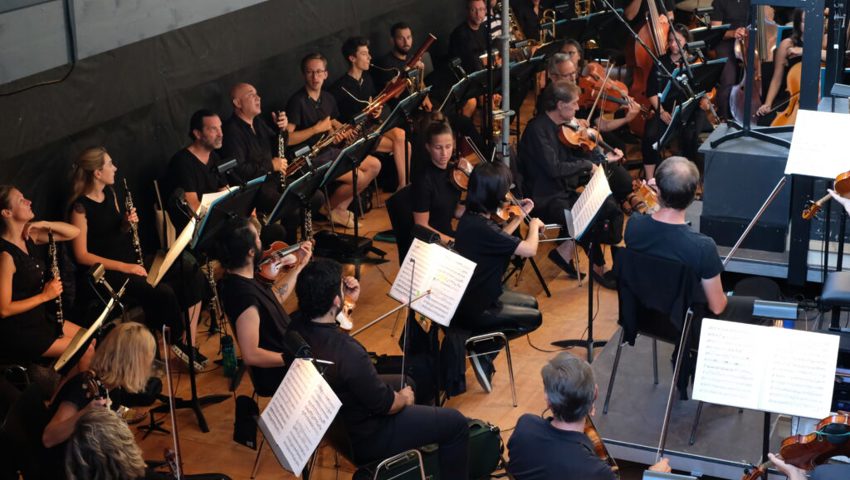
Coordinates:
739 176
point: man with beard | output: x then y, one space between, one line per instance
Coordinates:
194 168
393 63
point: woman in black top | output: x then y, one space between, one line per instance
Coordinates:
486 306
28 327
435 198
105 239
121 365
789 53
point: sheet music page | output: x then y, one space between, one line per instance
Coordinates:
819 144
163 262
208 198
801 373
730 364
590 201
446 273
299 413
766 368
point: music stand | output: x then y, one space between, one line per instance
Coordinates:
238 202
301 188
710 35
681 115
705 77
349 248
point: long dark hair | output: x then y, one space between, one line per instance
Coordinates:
5 192
488 185
797 32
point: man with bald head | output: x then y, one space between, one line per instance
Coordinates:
253 143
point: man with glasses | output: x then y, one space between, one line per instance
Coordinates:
313 114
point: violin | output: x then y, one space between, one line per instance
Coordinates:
648 196
93 386
613 95
598 445
583 137
279 256
343 318
468 157
808 451
841 187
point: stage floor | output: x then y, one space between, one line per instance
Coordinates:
726 440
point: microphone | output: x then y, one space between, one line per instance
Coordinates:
455 65
696 48
178 197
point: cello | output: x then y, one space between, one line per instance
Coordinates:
792 83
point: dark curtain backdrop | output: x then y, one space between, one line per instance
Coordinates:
137 100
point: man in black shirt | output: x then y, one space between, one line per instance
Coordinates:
353 92
552 172
381 421
469 40
253 143
314 114
193 169
557 447
394 62
255 308
735 13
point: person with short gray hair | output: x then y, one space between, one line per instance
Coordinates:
557 447
560 67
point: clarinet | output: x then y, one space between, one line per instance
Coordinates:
134 226
282 139
53 253
215 303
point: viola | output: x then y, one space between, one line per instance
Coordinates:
598 445
582 137
279 256
841 187
468 157
506 213
613 95
808 451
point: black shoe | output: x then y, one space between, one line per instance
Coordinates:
181 351
566 266
200 358
606 280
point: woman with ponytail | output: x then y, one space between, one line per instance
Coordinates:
105 238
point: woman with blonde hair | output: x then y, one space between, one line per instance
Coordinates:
122 364
105 238
28 328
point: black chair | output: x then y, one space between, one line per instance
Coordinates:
20 436
836 294
657 298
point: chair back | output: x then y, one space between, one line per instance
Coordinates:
20 435
400 210
654 295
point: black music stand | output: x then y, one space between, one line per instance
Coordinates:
704 77
301 189
239 202
349 248
681 115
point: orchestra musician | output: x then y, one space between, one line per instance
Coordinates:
394 62
560 66
354 90
736 14
313 113
688 134
553 171
254 307
380 417
104 239
469 40
194 168
121 366
528 14
486 306
821 472
27 331
557 447
102 446
789 53
253 143
436 199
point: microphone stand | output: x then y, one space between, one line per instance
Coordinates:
407 323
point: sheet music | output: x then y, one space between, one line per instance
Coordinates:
82 336
207 199
444 272
164 261
766 368
818 147
590 201
298 415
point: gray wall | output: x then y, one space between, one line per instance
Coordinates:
136 99
34 39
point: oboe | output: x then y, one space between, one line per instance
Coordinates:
282 139
134 226
53 253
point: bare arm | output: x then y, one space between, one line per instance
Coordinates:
248 336
285 284
779 61
62 425
80 247
713 289
528 247
193 200
61 231
8 307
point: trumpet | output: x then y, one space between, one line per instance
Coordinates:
53 254
134 226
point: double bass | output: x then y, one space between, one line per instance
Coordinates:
654 34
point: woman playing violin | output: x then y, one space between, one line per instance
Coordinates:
688 134
436 200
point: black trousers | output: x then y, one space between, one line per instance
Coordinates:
608 227
413 427
514 314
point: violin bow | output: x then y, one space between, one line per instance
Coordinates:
601 91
